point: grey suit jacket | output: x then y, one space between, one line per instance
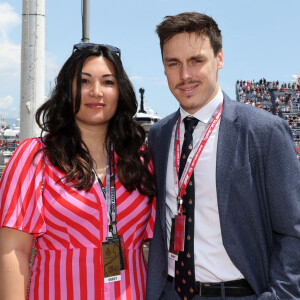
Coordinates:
258 191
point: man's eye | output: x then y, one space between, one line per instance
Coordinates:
197 61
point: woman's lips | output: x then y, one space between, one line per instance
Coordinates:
94 105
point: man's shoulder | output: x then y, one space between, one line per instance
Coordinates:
259 116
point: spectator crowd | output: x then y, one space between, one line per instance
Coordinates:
282 99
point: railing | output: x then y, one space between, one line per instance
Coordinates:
1 170
296 107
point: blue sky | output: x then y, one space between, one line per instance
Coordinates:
260 39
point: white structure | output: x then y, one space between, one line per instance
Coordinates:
296 78
145 116
32 65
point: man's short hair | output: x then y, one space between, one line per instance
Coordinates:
190 22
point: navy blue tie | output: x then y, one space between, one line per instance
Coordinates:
184 267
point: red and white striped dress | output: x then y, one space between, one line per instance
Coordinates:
69 226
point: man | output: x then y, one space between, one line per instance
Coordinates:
228 186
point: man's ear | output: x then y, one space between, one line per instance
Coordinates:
220 59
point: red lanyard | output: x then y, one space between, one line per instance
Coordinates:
194 155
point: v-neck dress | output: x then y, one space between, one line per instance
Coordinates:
69 226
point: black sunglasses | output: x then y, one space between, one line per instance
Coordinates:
85 45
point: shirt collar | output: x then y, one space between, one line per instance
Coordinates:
204 113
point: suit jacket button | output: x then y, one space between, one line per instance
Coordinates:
164 274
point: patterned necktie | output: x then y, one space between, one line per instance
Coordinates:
184 267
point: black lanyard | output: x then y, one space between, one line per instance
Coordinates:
109 192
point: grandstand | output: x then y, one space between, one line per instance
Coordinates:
282 99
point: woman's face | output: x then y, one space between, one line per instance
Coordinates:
99 93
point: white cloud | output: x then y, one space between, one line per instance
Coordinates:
52 70
9 107
6 102
10 53
8 19
10 57
136 78
141 78
10 60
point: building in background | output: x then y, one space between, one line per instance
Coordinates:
145 116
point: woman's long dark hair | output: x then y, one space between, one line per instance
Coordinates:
64 145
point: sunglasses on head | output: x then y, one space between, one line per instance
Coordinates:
85 45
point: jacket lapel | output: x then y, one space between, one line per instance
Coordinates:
227 142
162 153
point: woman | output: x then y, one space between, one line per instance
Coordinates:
80 190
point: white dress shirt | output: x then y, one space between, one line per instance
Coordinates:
212 263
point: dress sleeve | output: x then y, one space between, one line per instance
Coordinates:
21 205
150 225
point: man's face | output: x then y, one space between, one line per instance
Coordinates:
192 70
